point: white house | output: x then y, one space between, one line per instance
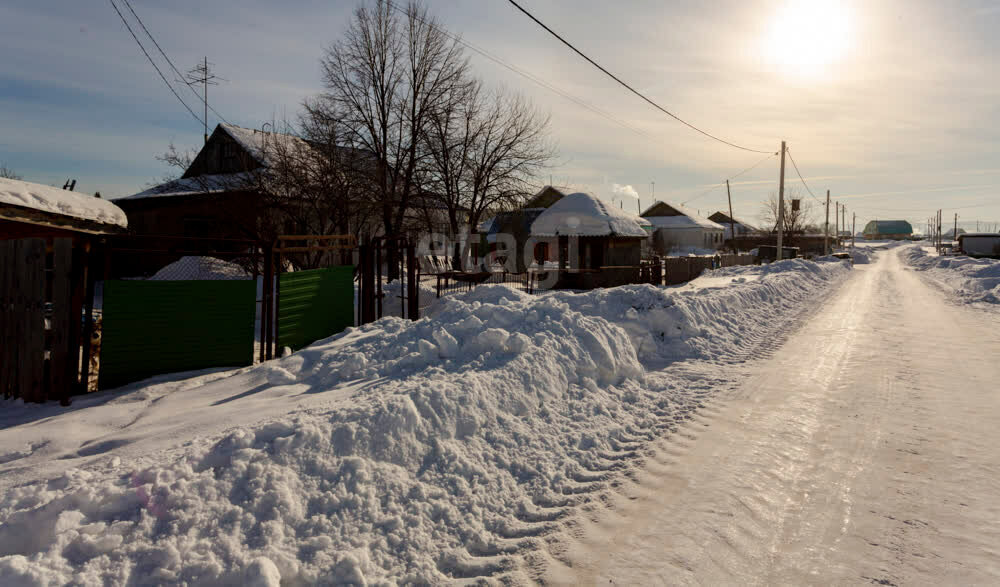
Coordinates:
679 230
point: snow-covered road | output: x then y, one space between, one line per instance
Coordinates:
865 449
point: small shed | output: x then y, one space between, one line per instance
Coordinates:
677 229
596 244
979 244
48 242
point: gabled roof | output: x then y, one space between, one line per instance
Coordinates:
545 197
888 227
723 218
583 214
59 203
662 214
260 144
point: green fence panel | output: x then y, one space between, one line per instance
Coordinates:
155 327
314 304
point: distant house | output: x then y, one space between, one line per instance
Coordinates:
676 228
587 235
508 232
950 235
742 228
887 230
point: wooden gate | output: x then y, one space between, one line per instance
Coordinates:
41 318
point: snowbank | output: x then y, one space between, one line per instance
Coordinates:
459 438
201 268
56 201
972 280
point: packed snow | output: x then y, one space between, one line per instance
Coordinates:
582 214
971 280
64 202
201 268
396 452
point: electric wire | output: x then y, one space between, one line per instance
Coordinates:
792 159
169 62
526 74
630 88
722 183
153 63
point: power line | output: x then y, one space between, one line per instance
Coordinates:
718 185
169 62
153 63
787 150
527 75
628 87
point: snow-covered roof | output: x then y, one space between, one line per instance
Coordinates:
685 218
583 214
260 144
202 184
58 201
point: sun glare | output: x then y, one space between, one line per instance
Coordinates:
808 36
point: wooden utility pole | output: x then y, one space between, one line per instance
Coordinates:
836 224
781 203
954 235
826 226
843 211
732 221
854 220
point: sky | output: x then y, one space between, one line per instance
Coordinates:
893 106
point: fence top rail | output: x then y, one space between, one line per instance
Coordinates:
317 237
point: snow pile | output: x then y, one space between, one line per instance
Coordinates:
461 436
973 280
56 201
201 268
861 256
582 214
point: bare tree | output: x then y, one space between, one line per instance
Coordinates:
8 173
384 80
796 220
485 152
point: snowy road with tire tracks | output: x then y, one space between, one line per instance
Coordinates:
863 451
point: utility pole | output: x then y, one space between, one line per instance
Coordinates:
201 74
955 234
843 211
826 226
732 221
781 203
836 224
854 220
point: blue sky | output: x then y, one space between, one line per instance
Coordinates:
892 105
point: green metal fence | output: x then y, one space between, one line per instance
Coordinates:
314 304
155 327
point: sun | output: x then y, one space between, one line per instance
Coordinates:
807 37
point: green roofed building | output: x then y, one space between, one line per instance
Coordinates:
888 229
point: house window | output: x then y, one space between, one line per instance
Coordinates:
230 157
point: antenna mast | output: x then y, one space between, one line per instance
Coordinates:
202 74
